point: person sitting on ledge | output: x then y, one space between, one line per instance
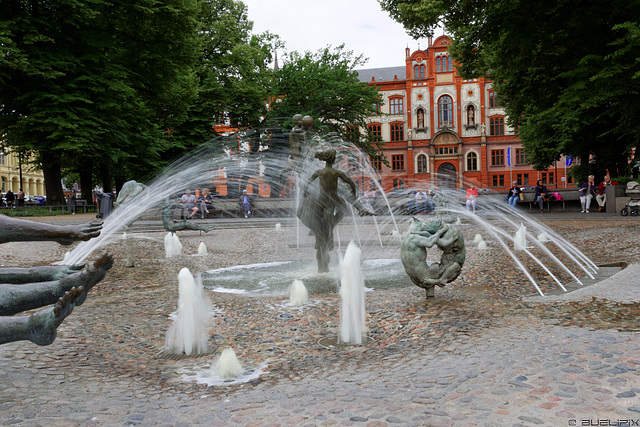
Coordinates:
514 194
206 202
587 192
540 194
188 200
601 197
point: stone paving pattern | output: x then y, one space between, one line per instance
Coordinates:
486 351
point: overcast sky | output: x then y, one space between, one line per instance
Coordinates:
310 25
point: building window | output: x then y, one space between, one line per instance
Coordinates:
443 64
445 111
422 163
398 184
420 118
375 130
497 157
375 110
397 132
397 162
446 150
419 71
395 106
2 159
494 102
496 126
551 180
497 180
352 133
521 158
472 162
376 164
354 165
543 177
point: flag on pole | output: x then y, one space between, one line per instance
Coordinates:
568 160
509 156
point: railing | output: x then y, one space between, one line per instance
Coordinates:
51 208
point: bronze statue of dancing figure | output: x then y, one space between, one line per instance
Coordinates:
322 213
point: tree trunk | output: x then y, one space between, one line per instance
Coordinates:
120 181
105 176
86 181
52 178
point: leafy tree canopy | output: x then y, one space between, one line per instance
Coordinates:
325 86
567 72
233 72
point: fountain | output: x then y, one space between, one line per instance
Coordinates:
202 249
172 245
227 366
298 294
190 329
352 314
520 239
300 173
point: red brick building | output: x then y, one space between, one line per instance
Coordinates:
439 128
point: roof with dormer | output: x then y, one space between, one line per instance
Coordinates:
385 74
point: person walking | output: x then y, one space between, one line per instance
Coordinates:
20 197
245 201
587 192
10 197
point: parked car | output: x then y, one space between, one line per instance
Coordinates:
41 200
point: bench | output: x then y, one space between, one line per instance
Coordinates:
261 208
568 195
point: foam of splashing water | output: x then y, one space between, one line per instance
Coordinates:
202 249
189 331
352 316
298 294
172 245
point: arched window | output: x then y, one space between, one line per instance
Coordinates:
472 161
471 115
420 118
445 111
419 71
450 64
439 64
421 160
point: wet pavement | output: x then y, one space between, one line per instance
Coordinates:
487 351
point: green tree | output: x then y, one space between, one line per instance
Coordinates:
324 86
233 73
567 72
95 83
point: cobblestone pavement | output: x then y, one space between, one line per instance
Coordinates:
486 351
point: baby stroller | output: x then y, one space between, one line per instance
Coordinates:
633 205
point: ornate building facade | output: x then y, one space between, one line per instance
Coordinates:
12 167
442 130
